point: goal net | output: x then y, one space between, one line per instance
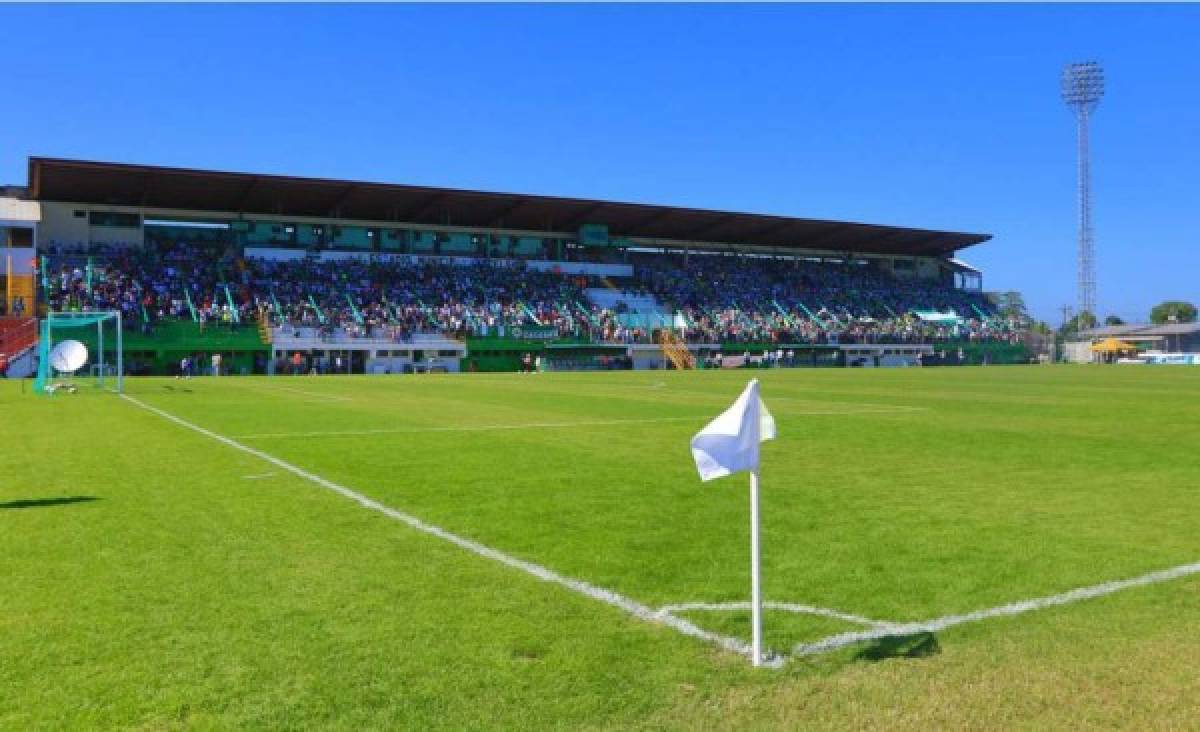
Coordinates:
100 333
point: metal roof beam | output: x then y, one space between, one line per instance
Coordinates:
335 208
866 243
576 220
653 218
509 210
423 207
240 204
765 230
707 227
145 195
825 239
917 247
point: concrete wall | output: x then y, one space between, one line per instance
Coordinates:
1078 351
60 225
20 210
539 265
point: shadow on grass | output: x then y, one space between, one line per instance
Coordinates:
42 502
917 645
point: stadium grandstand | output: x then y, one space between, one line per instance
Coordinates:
283 274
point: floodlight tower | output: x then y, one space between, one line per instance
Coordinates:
1082 87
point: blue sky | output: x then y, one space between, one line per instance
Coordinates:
940 116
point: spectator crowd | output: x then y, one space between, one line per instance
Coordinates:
713 299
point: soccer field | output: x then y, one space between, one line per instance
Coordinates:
519 551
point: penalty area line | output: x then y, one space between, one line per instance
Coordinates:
601 594
1078 594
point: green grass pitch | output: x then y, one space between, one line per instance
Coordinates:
154 577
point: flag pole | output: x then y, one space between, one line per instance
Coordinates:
755 585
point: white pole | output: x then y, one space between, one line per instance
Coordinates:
100 341
755 585
120 356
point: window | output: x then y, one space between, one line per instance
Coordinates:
17 237
116 220
81 214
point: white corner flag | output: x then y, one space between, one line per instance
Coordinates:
728 445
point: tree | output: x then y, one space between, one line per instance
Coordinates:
1184 312
1083 321
1011 305
1113 320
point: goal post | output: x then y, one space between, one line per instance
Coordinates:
100 332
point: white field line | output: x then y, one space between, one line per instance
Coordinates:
790 607
853 405
257 477
303 392
840 640
606 596
469 428
538 425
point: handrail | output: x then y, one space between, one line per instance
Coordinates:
46 277
786 318
428 312
191 307
810 314
587 314
358 318
317 308
232 308
530 313
832 316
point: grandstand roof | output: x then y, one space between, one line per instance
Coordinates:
81 181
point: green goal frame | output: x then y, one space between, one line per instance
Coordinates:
54 325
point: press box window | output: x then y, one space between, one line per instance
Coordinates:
114 220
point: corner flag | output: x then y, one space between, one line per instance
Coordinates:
728 445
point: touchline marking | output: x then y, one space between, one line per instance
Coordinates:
840 640
313 394
256 477
790 607
606 596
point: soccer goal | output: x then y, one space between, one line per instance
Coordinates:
100 333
